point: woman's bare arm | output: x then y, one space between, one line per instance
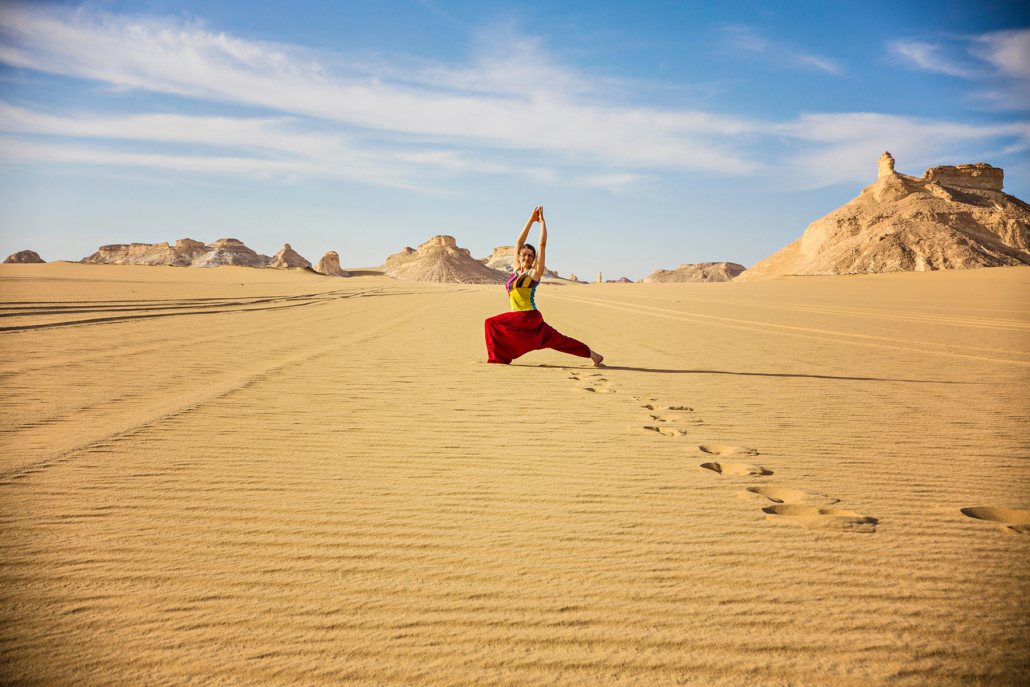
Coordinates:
538 267
524 235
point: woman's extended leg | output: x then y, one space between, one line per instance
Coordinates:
552 338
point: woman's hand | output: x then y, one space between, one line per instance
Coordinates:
538 213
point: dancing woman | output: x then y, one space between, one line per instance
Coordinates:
513 334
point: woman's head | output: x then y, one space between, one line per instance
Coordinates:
526 257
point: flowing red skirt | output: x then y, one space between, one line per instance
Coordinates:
514 334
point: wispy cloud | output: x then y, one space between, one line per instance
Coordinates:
500 102
1007 50
830 148
929 57
513 110
752 40
999 62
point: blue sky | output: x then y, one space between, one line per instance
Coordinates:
653 136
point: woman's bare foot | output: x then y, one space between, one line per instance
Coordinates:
597 358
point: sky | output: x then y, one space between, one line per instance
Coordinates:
653 134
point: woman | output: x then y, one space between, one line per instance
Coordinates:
522 330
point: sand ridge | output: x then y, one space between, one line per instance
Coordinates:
290 478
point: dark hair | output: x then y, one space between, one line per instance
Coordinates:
530 247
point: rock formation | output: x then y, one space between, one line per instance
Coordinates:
440 260
185 253
953 217
572 277
701 272
599 280
288 258
620 280
329 265
24 257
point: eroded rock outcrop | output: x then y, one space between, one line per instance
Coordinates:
185 253
441 260
700 272
329 265
953 217
287 258
24 257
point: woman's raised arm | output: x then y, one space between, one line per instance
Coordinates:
525 233
538 266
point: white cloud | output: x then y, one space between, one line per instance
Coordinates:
512 111
928 57
832 148
515 103
1007 50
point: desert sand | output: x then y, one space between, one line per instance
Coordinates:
245 476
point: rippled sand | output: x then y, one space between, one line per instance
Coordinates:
253 477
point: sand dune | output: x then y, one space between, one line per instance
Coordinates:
261 477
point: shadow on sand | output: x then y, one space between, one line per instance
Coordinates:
753 374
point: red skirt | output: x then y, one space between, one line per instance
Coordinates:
514 334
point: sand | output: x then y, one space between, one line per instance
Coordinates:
242 476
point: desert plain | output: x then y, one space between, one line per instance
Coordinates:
247 476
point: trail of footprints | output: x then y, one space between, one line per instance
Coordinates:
780 504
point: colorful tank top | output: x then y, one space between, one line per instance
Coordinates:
522 292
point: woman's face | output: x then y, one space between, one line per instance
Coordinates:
526 258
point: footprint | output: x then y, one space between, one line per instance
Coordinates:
727 450
664 431
786 496
651 406
736 469
1015 520
664 418
812 518
645 398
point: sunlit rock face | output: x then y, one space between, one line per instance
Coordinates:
441 260
953 217
700 272
287 258
185 253
329 265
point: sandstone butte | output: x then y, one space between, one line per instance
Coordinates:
190 253
503 259
24 257
440 260
287 258
701 272
954 217
329 265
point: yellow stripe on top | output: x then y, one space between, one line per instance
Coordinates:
522 292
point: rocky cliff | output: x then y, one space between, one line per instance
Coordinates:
953 217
